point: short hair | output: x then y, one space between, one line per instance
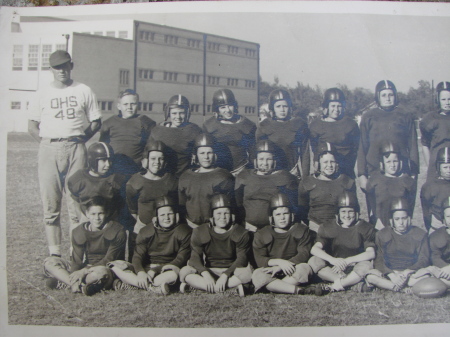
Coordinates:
97 201
128 92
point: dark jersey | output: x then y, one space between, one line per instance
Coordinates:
440 247
343 242
83 187
432 195
253 193
158 246
127 137
382 189
343 134
400 252
235 141
97 248
213 250
317 199
180 143
291 138
435 130
142 193
378 126
196 189
293 245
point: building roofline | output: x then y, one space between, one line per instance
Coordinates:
102 36
44 19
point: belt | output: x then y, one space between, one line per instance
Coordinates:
75 139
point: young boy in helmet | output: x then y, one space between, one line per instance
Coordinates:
178 134
390 182
127 133
435 191
95 243
318 193
386 122
144 188
196 186
98 180
440 245
219 252
282 251
344 248
403 252
290 134
435 128
336 128
255 187
233 133
162 248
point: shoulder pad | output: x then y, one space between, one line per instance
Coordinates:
384 235
244 174
247 126
113 229
347 182
79 234
309 183
299 230
210 124
417 233
201 234
264 235
147 231
183 229
238 232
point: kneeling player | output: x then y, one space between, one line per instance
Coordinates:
282 251
345 248
440 246
95 243
403 252
161 250
219 253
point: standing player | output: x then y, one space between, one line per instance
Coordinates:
337 129
390 182
234 134
127 133
386 123
435 191
178 134
143 189
282 251
318 193
95 243
64 118
344 248
219 252
162 248
290 134
255 187
440 245
197 186
403 252
435 128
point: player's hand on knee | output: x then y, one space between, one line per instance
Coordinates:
286 266
445 273
209 280
168 267
272 270
78 276
339 263
221 283
142 280
397 280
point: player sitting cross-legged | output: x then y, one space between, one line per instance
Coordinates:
403 252
282 251
162 248
95 243
344 248
219 253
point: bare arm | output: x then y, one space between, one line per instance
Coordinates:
33 130
426 154
367 255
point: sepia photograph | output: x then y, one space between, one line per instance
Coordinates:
228 164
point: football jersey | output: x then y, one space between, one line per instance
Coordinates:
440 247
432 195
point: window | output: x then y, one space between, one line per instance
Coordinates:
33 56
146 35
232 82
46 51
111 34
170 76
145 106
208 108
17 57
192 78
98 33
124 77
233 50
213 46
195 107
145 74
60 47
250 84
123 34
250 109
213 80
250 52
15 105
105 105
171 39
193 43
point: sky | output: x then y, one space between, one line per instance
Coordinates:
319 48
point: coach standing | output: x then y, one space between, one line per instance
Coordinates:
64 117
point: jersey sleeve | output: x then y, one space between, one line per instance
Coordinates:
132 196
379 258
304 245
303 202
413 148
426 131
184 251
361 161
242 248
425 199
260 250
197 250
105 132
116 248
78 252
437 251
423 254
141 250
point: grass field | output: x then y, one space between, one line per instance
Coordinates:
30 303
